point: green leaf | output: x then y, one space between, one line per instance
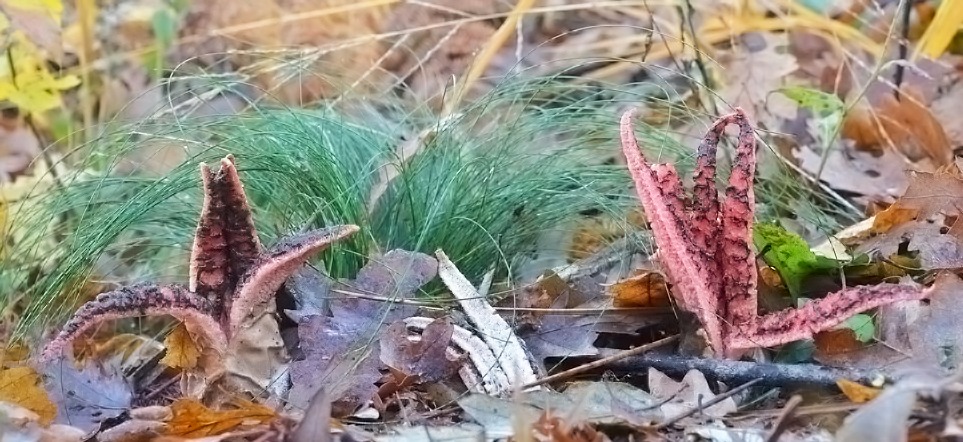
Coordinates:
827 110
862 326
790 255
819 102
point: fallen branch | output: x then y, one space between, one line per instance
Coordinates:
602 362
740 372
499 336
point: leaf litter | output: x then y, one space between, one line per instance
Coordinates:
377 349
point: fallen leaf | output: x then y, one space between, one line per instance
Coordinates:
907 125
340 351
21 425
883 419
857 392
551 426
316 424
193 419
935 232
893 216
39 20
877 177
427 358
647 289
603 403
836 342
396 273
751 76
182 351
22 386
89 396
562 336
337 354
682 396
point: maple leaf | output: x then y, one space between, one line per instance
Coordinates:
232 281
705 248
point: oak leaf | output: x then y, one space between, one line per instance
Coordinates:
23 386
194 419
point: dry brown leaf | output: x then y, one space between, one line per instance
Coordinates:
836 342
555 428
691 392
878 177
893 216
644 290
594 233
752 76
193 419
857 392
182 351
935 232
22 386
769 277
907 124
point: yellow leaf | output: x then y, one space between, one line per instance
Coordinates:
182 351
857 392
29 85
39 20
53 8
939 34
193 419
22 386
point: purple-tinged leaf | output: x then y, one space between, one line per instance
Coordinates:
86 398
427 358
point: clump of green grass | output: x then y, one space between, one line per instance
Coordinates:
484 186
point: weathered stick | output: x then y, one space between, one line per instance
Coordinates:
739 372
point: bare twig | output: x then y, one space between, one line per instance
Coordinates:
788 412
734 372
602 362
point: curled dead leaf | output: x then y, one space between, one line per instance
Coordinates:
857 392
193 419
893 216
647 289
906 124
